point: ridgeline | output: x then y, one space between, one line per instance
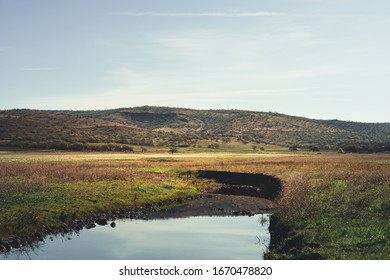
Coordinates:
126 128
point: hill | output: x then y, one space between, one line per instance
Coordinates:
123 128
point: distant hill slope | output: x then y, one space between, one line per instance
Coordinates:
166 126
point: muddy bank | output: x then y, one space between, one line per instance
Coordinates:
217 205
246 184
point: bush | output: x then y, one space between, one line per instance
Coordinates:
213 146
293 148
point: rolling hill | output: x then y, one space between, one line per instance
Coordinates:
120 129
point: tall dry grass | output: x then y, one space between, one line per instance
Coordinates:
27 177
305 178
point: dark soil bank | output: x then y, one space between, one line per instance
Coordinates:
234 183
217 205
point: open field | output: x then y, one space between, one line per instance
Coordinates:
333 206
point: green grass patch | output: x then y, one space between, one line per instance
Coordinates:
36 194
340 219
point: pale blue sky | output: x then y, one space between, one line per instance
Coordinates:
324 59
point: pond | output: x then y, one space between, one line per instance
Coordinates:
215 227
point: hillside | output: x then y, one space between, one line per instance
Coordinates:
119 129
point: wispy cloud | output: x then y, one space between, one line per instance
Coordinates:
38 69
214 14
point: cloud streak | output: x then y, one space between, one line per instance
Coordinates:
214 14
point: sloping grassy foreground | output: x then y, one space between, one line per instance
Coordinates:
333 206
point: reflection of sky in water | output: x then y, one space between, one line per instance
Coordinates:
222 238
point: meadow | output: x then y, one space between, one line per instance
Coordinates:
333 206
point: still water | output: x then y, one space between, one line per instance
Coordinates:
197 237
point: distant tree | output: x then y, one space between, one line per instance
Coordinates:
128 148
61 145
314 149
226 140
213 146
351 149
293 148
77 147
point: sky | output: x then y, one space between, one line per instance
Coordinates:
322 59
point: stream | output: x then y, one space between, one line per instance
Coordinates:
213 227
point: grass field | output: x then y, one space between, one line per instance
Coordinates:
333 206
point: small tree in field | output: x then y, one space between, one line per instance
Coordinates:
293 148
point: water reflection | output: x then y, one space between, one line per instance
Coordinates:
201 237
